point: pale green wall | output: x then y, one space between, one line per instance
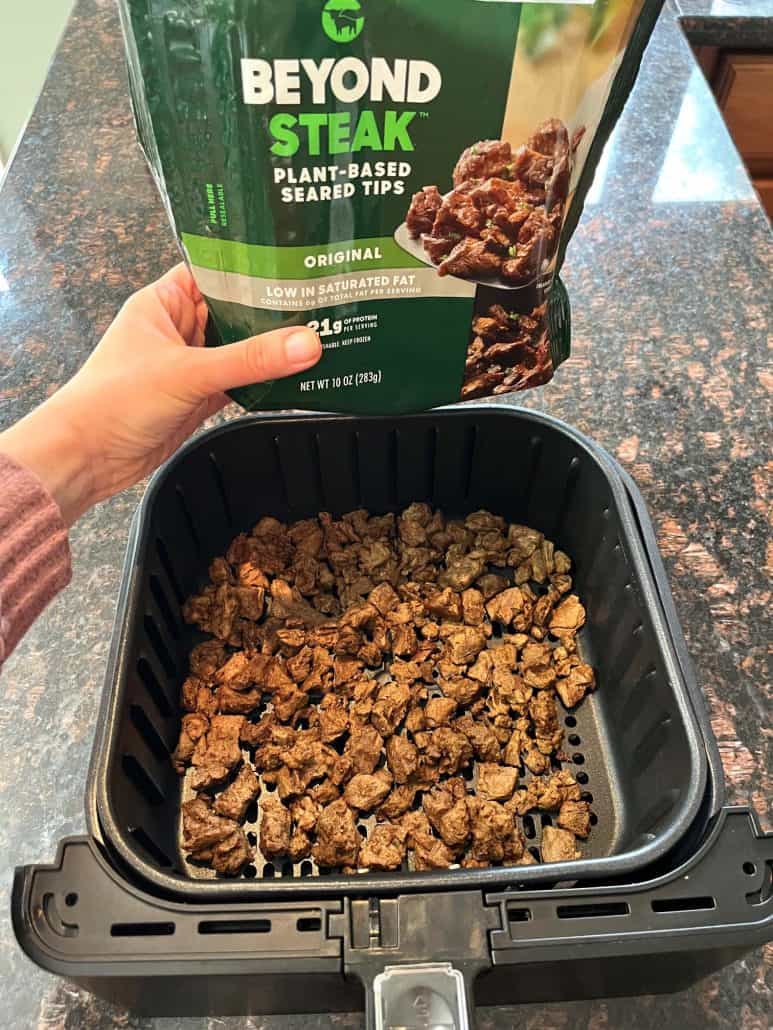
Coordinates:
29 32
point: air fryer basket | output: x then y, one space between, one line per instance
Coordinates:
639 753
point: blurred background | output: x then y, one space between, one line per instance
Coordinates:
29 33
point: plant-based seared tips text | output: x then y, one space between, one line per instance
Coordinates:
502 218
388 689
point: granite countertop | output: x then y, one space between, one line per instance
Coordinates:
669 274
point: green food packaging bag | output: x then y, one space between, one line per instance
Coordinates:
401 175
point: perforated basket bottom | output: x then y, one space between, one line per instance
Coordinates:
583 742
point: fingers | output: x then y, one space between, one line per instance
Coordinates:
273 355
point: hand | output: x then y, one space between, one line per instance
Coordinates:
148 384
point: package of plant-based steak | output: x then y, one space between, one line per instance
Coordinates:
401 175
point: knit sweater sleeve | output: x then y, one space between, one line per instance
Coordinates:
34 552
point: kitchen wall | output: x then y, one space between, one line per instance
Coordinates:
29 33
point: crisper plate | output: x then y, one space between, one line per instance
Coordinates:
639 749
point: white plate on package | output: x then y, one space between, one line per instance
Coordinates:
416 249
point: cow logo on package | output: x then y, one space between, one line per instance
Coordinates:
342 20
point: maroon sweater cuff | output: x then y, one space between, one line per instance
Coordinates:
34 552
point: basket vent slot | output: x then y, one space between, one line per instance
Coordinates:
700 904
188 519
147 843
217 475
142 780
148 732
163 606
153 687
593 910
166 565
518 915
213 926
157 643
470 443
309 924
142 929
651 744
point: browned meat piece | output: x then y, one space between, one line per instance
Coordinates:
404 642
323 793
535 761
220 746
450 749
208 777
550 138
274 827
288 603
575 816
402 758
364 747
300 846
338 841
237 702
231 855
390 707
518 743
506 606
463 644
299 667
496 782
471 259
421 214
236 798
333 717
439 711
383 598
366 791
250 575
384 848
206 658
189 692
289 784
445 605
473 607
573 688
202 828
558 845
446 808
192 729
544 713
430 853
398 802
495 837
483 739
289 700
568 617
462 690
490 157
304 812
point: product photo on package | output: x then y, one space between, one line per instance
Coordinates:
401 176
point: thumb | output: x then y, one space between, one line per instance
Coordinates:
281 352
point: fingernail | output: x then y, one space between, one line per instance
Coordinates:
302 349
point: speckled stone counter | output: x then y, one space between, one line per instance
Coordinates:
736 24
669 274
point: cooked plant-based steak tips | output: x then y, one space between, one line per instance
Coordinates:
558 845
501 219
409 673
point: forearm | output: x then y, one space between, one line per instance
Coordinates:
34 551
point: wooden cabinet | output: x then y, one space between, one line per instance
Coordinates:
744 91
742 82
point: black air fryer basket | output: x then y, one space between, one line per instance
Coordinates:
123 903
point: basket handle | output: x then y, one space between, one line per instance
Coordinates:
421 996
